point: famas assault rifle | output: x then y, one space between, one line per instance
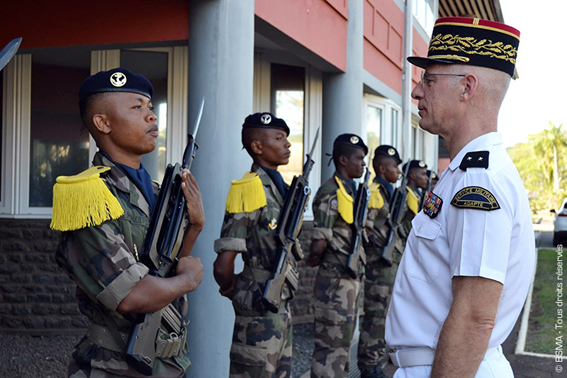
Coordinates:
395 217
355 259
289 225
162 244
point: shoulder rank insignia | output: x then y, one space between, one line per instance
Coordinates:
476 159
346 207
376 199
412 200
246 195
475 197
432 205
83 200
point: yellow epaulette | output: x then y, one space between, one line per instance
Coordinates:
246 195
376 199
346 207
413 201
83 200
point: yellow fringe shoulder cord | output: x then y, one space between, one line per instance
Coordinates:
246 195
413 201
376 199
83 200
346 207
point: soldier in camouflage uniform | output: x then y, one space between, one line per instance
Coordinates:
336 293
417 180
100 243
262 340
379 276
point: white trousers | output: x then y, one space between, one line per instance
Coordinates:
494 365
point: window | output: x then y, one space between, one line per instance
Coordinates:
56 145
382 122
288 103
41 127
152 65
425 11
292 90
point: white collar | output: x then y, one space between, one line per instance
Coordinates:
480 143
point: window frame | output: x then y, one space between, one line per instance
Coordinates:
16 127
390 132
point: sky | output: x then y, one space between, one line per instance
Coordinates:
538 96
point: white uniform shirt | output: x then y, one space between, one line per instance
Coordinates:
497 244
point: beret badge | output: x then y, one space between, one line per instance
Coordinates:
354 139
118 79
266 119
391 152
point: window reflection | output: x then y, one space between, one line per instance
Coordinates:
57 146
288 103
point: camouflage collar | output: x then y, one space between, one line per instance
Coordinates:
121 182
347 183
267 181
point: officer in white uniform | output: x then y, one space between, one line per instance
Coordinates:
465 273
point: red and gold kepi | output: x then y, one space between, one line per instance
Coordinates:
473 41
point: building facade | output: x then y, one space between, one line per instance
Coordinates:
335 64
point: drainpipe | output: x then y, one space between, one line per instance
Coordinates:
407 141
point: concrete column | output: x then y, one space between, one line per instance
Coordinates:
221 64
343 93
406 147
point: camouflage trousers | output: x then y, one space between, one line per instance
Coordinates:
378 285
336 303
261 346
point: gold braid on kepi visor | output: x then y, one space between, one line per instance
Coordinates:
472 41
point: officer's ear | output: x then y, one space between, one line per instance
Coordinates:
469 88
343 160
101 123
256 147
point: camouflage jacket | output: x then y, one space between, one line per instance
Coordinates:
329 225
103 261
410 211
377 226
253 235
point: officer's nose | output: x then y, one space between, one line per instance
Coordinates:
417 92
152 117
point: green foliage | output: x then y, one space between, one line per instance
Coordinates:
542 163
544 310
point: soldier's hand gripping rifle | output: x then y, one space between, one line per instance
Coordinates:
289 225
162 244
395 217
356 259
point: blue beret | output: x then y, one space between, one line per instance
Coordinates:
351 140
265 121
389 151
415 164
116 80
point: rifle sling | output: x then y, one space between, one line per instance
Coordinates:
337 259
255 274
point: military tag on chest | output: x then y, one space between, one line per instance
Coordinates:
334 204
432 205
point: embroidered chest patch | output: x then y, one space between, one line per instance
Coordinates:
432 205
475 197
